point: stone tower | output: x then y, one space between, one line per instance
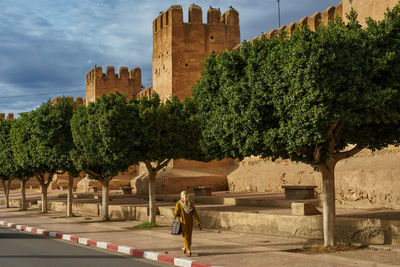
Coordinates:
98 83
179 48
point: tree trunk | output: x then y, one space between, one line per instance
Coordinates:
44 197
6 189
152 197
7 192
23 195
104 200
69 195
328 200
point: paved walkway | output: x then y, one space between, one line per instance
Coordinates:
222 248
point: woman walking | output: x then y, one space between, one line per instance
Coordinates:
186 211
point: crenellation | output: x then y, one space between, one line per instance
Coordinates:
2 116
282 28
290 28
272 33
175 14
339 10
111 72
123 73
328 15
10 117
195 14
303 21
230 17
213 16
79 100
314 21
98 73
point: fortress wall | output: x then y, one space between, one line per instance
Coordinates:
98 83
367 180
368 8
179 48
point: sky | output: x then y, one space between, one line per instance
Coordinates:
48 46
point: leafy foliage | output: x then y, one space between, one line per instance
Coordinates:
7 163
105 134
169 130
42 138
297 97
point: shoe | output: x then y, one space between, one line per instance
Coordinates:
188 253
184 250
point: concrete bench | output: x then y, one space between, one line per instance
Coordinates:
126 190
299 191
200 191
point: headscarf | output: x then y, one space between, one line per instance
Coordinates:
186 202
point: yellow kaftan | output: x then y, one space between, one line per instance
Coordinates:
186 220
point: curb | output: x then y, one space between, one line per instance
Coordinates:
151 255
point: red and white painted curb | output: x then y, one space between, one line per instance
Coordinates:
109 246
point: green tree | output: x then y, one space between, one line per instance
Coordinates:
18 171
6 159
63 111
40 143
170 130
105 134
316 97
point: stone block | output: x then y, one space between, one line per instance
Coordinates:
303 209
299 191
202 190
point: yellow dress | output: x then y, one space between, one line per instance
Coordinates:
186 220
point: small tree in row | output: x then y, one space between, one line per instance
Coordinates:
106 136
169 130
41 142
6 159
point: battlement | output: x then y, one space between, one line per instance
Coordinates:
312 22
146 92
98 83
174 15
79 100
10 116
124 74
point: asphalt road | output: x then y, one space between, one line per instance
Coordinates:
23 250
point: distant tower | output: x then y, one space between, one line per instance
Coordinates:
179 48
98 83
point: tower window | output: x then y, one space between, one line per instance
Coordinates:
166 18
186 65
212 37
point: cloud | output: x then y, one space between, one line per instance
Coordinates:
48 46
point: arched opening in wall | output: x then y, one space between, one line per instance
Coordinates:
186 65
211 37
167 18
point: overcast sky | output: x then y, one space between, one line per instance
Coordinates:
48 46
